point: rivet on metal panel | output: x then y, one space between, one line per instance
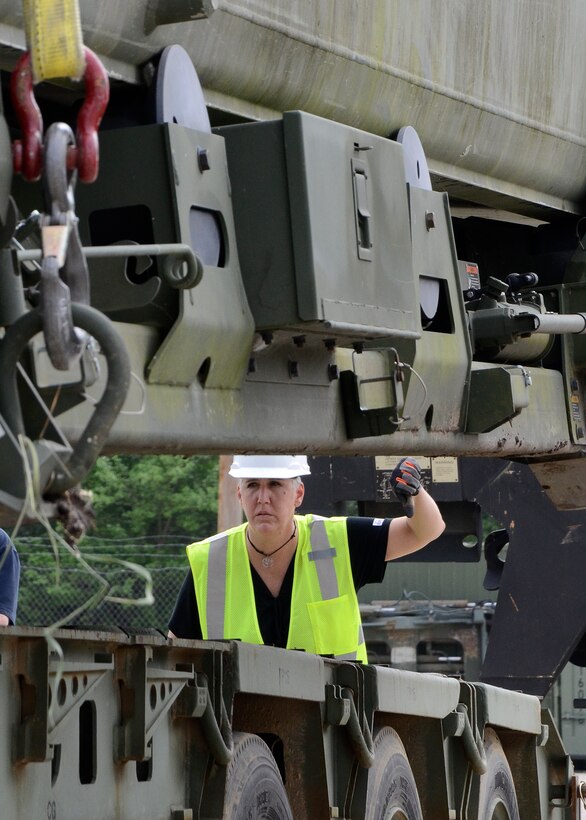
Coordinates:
203 160
333 372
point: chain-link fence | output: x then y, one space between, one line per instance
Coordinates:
127 584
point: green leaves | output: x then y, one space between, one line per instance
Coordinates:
154 495
131 565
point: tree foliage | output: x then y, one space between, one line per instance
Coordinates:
148 508
154 495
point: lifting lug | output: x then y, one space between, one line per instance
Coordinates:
83 156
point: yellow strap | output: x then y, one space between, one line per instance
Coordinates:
53 34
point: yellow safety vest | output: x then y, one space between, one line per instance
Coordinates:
325 617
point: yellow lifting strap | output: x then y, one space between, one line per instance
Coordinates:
54 40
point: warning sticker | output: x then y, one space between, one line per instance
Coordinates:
444 469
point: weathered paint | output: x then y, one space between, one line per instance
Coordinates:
115 723
489 86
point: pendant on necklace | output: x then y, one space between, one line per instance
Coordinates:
267 561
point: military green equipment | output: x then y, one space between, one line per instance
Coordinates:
315 229
131 727
303 262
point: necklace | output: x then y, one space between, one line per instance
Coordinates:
267 560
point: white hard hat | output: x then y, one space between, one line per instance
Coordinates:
269 466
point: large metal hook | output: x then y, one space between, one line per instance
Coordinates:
64 272
91 441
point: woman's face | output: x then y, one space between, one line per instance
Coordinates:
270 503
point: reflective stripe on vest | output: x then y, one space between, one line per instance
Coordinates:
214 561
216 595
323 554
213 564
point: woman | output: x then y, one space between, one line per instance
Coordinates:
291 580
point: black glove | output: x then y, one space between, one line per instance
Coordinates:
405 482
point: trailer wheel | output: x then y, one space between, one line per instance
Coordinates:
254 788
497 798
392 793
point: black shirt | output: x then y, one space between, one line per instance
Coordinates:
367 541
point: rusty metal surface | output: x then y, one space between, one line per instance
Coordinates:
64 701
292 723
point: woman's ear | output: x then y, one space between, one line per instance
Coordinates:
299 494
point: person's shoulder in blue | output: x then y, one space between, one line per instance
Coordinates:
9 580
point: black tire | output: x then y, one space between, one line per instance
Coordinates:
254 788
497 799
392 793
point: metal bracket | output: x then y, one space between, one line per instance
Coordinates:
146 694
50 689
453 724
372 393
337 706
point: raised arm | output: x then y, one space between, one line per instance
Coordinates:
408 534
